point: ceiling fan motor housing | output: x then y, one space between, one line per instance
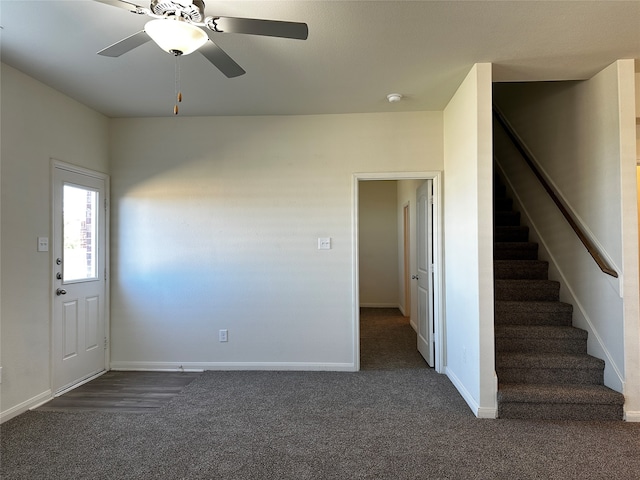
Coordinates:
191 11
180 28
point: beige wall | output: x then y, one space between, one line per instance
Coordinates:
378 244
38 124
637 84
215 224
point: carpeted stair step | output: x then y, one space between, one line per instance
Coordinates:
506 218
527 290
542 339
502 203
533 313
515 251
511 233
554 368
543 369
559 402
499 190
520 269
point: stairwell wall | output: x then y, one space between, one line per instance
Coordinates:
468 245
582 135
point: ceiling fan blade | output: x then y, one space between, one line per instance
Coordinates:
126 44
221 60
269 28
132 7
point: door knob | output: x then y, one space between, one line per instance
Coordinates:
61 291
414 277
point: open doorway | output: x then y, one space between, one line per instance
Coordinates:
394 200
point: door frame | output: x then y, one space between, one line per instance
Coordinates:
406 259
60 165
438 263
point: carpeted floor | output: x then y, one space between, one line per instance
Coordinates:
395 419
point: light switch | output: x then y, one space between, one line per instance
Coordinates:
324 243
43 244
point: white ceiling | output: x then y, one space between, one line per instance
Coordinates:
357 52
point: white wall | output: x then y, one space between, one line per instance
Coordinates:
38 124
378 237
468 246
215 224
582 134
637 85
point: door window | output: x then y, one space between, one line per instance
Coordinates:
80 220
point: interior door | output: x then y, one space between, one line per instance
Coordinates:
424 226
79 253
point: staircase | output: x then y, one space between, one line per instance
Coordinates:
543 368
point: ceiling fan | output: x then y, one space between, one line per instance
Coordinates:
180 27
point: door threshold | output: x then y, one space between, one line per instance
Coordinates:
80 383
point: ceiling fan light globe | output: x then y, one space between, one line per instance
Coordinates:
176 35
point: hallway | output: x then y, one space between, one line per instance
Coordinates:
387 341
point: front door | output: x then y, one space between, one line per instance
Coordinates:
79 254
424 228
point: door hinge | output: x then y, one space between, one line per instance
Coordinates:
106 343
106 204
431 268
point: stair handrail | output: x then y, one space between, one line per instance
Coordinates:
531 162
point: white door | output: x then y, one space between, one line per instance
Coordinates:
79 253
424 226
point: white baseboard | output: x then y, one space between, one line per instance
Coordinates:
380 305
630 416
486 412
26 405
201 366
478 411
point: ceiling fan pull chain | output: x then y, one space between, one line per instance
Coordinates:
178 93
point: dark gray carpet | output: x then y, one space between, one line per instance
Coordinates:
405 422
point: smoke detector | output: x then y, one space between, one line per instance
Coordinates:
394 97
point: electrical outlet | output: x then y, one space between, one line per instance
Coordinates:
223 335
